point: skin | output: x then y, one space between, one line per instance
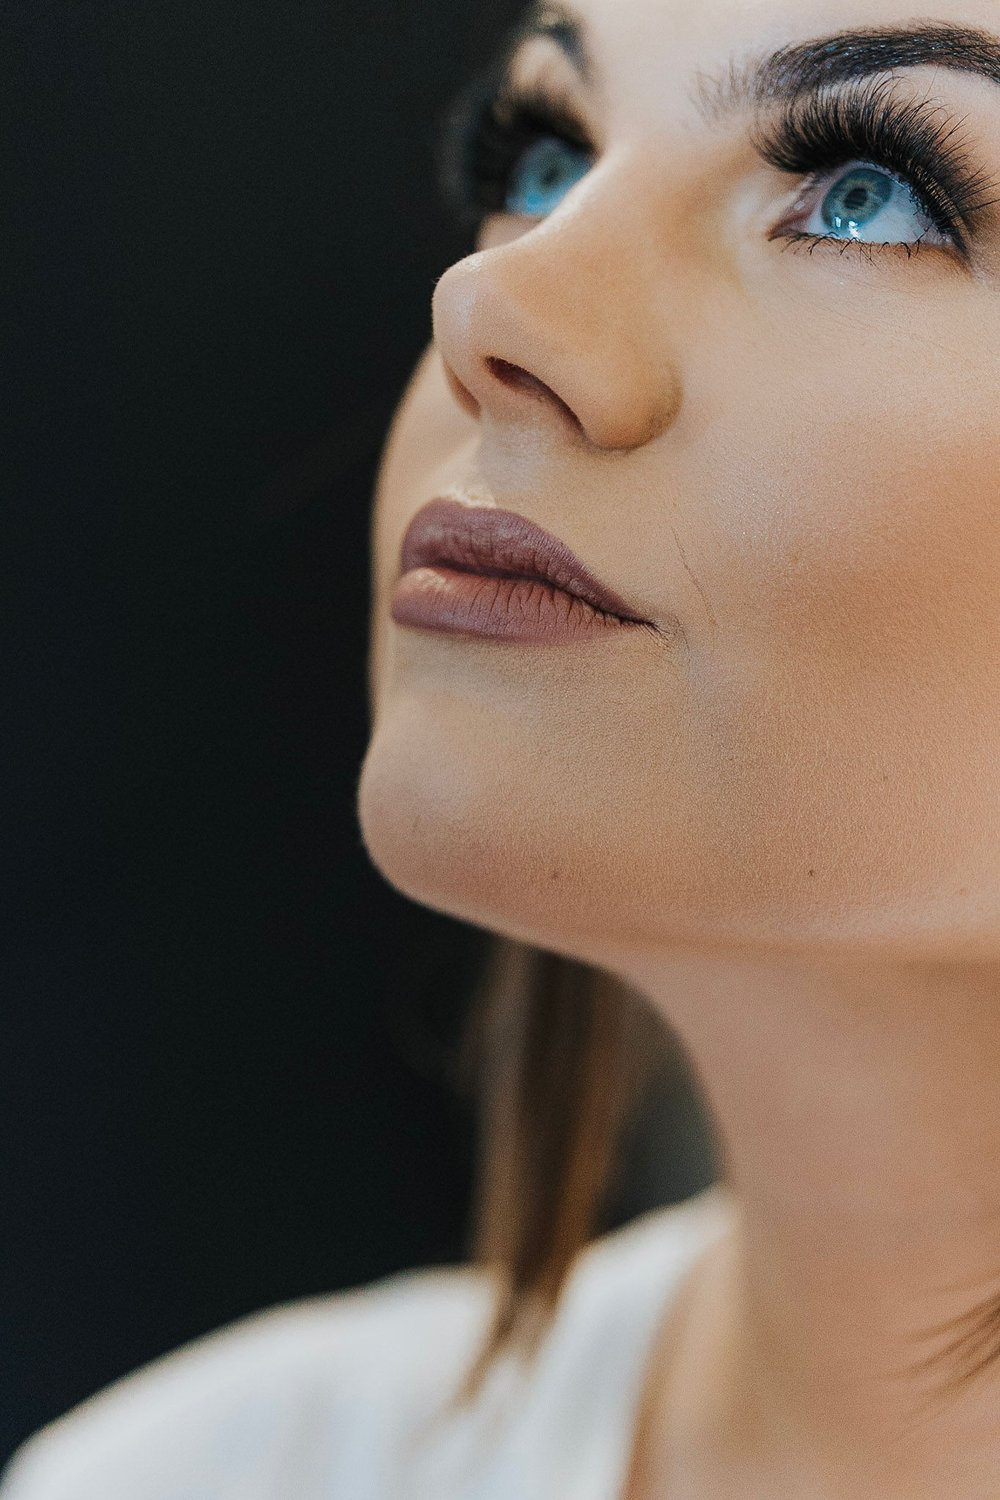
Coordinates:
779 819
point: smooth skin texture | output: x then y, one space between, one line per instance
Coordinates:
780 818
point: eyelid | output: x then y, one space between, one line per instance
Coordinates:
540 65
818 184
561 104
916 139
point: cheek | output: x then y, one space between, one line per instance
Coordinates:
855 675
864 518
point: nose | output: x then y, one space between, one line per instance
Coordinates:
559 326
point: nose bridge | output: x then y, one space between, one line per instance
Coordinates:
573 302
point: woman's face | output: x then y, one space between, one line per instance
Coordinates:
782 451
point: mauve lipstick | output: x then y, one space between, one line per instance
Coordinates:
480 571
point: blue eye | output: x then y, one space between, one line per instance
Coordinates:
544 173
868 203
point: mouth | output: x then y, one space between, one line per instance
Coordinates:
501 544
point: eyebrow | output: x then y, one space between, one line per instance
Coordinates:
801 67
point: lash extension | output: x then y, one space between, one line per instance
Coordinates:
914 138
490 124
493 121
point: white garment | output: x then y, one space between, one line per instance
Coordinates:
323 1399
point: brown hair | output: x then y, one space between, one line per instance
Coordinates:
559 1054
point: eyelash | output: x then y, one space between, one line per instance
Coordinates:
912 138
493 121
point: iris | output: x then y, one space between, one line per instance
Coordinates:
544 174
859 197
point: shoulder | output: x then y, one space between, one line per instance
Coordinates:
235 1411
329 1396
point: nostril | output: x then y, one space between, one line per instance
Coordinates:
517 378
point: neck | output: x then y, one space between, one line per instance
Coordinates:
857 1110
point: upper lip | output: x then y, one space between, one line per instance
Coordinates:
502 543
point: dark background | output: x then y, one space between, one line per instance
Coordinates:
220 1078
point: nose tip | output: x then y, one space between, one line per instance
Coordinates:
526 338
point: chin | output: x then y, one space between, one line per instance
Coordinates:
449 828
414 811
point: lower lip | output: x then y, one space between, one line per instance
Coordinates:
497 608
